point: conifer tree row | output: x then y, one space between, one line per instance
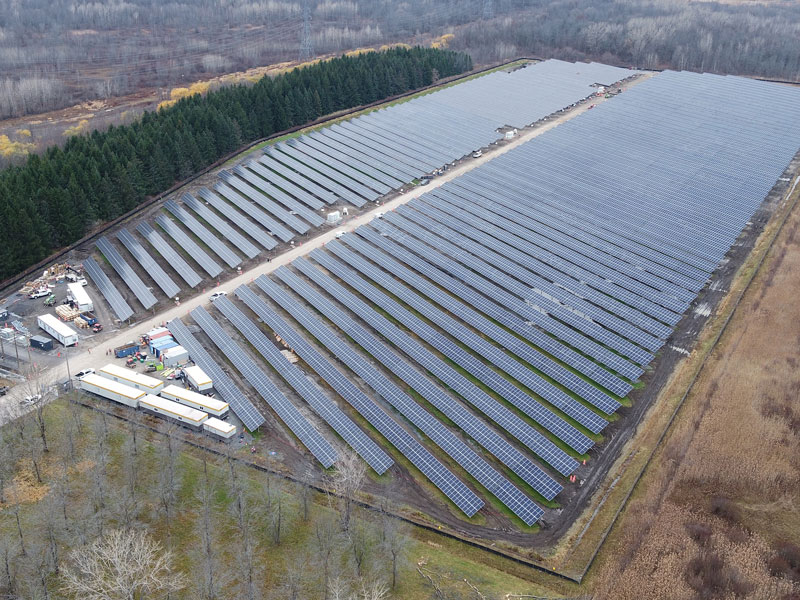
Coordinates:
56 198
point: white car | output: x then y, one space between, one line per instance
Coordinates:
218 294
84 373
477 154
31 400
339 234
380 215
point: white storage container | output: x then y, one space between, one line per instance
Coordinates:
78 294
58 329
198 379
219 428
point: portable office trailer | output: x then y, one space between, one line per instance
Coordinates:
198 379
219 428
112 390
79 296
149 385
59 330
175 356
42 342
212 406
174 411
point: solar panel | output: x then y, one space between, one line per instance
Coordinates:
298 178
208 238
364 164
228 232
123 269
322 405
465 313
109 291
155 271
288 413
170 255
295 190
241 221
190 247
266 221
278 194
496 483
266 203
494 410
463 497
239 403
476 343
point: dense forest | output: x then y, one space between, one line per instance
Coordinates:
57 53
54 199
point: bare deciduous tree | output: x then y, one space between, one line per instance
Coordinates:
122 565
347 481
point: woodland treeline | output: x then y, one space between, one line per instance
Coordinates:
54 199
55 54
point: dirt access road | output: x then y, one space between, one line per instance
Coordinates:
93 356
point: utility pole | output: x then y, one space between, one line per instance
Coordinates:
306 45
488 9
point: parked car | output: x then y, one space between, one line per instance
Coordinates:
84 373
477 154
31 400
218 294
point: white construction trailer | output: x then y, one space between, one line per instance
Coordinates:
198 379
112 390
79 296
58 329
149 385
219 428
174 411
212 406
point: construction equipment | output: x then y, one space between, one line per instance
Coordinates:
50 300
130 362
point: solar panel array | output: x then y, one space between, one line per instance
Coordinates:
322 405
464 498
124 270
288 412
174 259
239 403
164 281
228 232
208 238
189 246
121 308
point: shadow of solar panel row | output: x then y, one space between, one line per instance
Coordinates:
474 342
205 236
238 219
275 179
288 412
493 310
271 225
613 254
228 232
275 193
239 403
190 247
298 178
169 254
109 291
463 497
124 270
277 154
553 255
482 261
534 259
153 269
389 181
308 149
322 405
460 309
513 263
496 483
251 193
342 180
510 456
528 312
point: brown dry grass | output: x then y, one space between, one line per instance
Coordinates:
722 498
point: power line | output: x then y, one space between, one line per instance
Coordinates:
306 43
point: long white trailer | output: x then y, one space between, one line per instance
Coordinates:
219 428
80 297
198 379
112 390
172 410
212 406
58 329
149 385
